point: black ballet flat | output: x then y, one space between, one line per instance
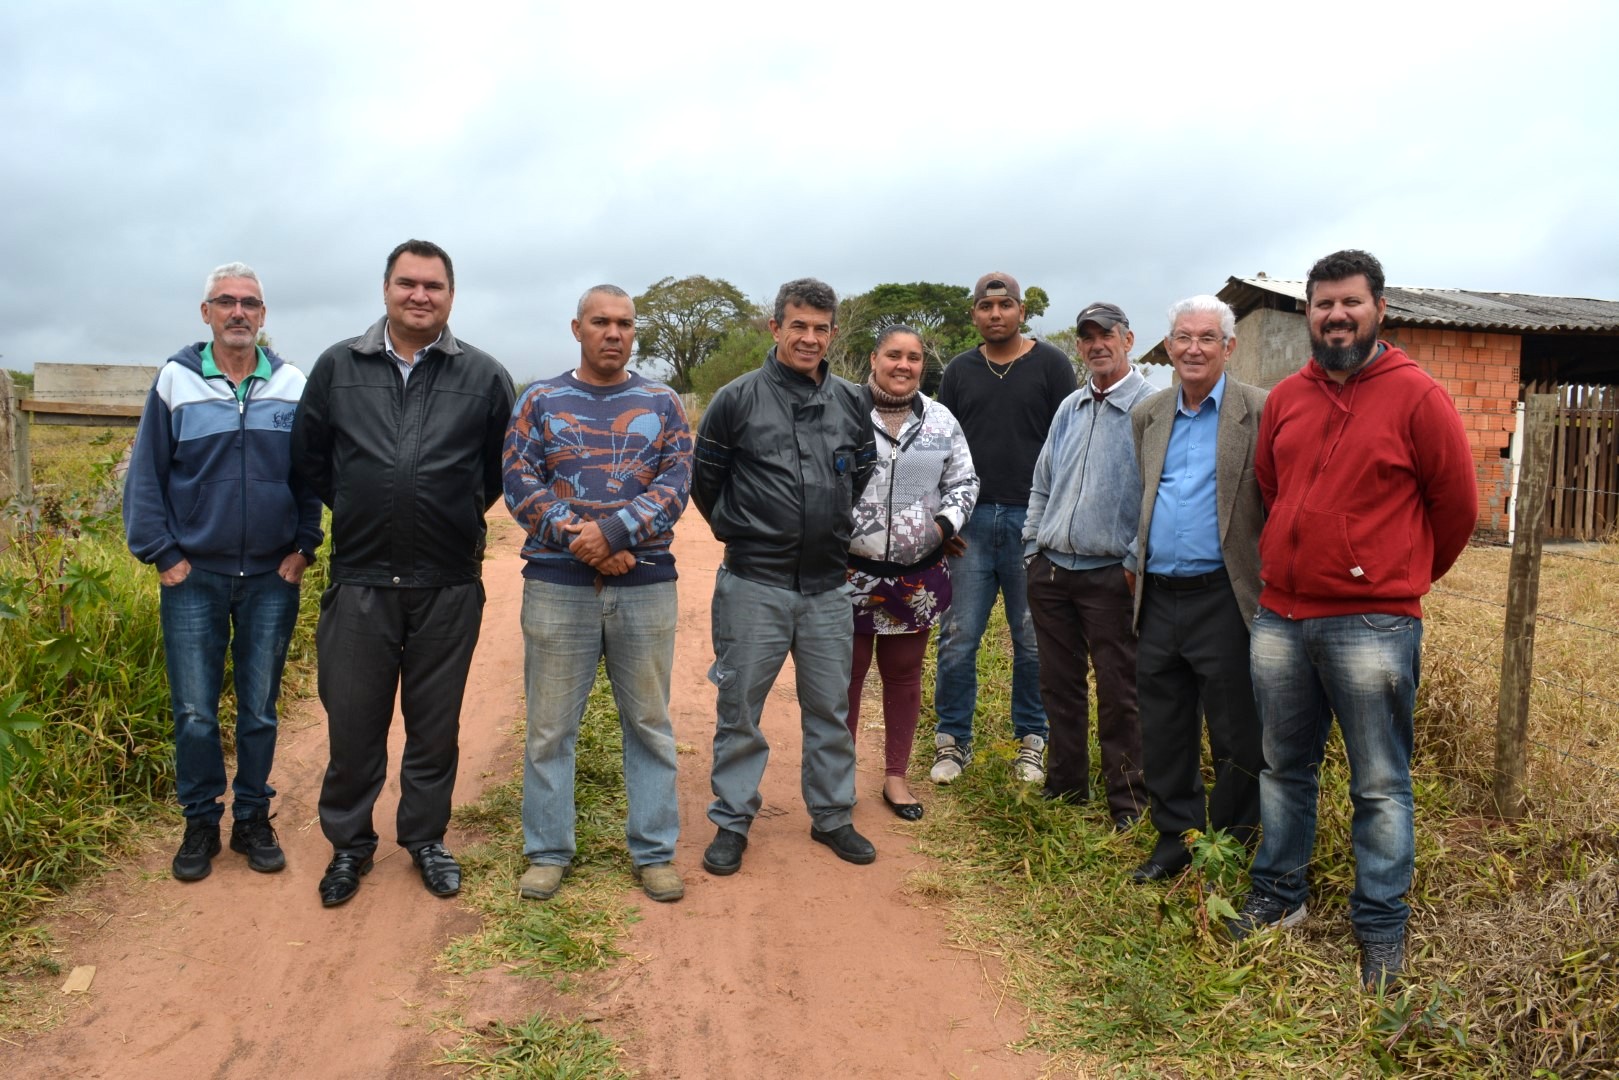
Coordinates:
910 811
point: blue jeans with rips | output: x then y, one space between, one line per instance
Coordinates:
567 629
201 616
1363 669
993 563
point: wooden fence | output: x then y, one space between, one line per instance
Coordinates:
88 395
1584 499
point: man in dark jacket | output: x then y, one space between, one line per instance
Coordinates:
211 502
783 453
400 433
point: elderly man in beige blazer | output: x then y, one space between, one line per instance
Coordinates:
1194 568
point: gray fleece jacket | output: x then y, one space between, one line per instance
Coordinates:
1085 500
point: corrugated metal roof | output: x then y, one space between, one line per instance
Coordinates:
1456 308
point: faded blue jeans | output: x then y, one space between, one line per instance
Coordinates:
993 563
755 626
567 629
254 616
1364 670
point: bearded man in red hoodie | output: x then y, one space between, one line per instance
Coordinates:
1371 495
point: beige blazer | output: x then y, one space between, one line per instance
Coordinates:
1238 503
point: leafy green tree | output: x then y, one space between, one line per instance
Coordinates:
680 321
741 350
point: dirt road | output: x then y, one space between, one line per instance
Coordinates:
799 966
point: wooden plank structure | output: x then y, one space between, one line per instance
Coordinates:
1584 500
81 395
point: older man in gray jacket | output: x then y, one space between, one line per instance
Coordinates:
1198 543
1083 508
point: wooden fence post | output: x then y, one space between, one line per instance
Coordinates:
1523 593
14 461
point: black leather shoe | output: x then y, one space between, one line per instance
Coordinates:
440 872
1168 859
1071 796
846 844
724 855
910 811
1125 822
342 879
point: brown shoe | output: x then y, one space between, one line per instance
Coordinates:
661 881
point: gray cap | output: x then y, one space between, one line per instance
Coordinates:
1103 314
997 283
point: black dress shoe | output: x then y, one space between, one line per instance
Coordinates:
1125 822
440 872
1168 859
724 855
1071 796
910 811
846 844
342 878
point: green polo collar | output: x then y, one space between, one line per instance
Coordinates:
211 370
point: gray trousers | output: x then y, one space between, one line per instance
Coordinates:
755 627
370 644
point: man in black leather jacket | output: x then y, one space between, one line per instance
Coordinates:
782 454
400 433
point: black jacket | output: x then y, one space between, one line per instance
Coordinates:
780 463
409 467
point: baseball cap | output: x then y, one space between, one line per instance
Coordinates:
1103 314
996 283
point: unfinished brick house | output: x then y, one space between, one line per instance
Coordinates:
1489 349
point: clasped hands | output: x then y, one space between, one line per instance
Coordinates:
589 546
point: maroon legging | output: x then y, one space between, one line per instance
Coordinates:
899 662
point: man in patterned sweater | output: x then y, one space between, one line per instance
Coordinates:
597 470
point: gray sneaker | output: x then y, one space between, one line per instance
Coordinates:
1381 963
949 759
1261 912
1030 764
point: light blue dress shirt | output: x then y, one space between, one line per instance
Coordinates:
1184 539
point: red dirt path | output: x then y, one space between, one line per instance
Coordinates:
798 966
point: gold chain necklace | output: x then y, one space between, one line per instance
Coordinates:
1003 372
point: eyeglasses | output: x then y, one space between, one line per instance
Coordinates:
1208 341
246 303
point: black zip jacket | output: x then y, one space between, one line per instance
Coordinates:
409 467
780 461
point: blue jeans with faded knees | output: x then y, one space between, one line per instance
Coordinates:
993 563
567 629
1363 669
755 626
201 616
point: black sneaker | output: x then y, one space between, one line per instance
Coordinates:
1261 912
1381 963
195 859
255 838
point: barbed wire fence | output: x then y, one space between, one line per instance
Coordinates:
1559 482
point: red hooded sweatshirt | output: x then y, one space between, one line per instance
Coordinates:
1370 490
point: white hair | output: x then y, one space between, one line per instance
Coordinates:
1205 305
229 270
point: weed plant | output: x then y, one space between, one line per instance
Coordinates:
537 1048
85 731
1513 948
577 930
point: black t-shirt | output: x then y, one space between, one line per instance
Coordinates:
1005 413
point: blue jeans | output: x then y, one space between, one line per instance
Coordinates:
203 614
567 629
993 563
755 627
1364 670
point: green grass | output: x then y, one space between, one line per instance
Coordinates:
576 930
1514 942
538 1048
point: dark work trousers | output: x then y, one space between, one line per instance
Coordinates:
372 643
1194 649
1082 619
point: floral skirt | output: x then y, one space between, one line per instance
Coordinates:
900 605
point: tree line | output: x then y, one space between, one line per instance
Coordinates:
703 332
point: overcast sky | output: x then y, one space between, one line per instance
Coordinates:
1135 153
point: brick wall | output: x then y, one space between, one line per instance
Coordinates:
1481 372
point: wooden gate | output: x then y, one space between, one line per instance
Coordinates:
1584 502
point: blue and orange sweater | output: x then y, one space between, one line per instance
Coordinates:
617 455
210 478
